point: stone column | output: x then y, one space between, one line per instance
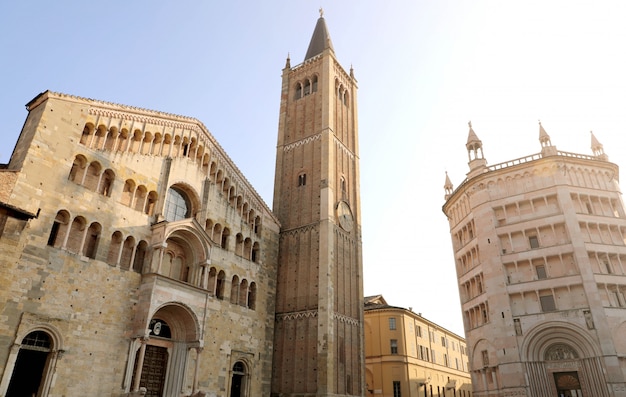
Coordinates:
142 354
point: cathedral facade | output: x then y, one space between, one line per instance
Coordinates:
540 253
136 259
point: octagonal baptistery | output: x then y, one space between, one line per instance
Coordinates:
135 256
540 254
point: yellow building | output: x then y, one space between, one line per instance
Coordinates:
407 355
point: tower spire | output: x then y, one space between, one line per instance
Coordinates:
320 40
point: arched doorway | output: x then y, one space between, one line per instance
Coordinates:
237 384
155 359
161 361
28 373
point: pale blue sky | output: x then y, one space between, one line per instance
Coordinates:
425 68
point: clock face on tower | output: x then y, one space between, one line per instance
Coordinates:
344 215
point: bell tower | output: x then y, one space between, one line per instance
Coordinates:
318 338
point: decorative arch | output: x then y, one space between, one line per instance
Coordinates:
483 355
183 322
545 336
178 195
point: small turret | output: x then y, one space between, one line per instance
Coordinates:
448 187
546 146
597 148
477 162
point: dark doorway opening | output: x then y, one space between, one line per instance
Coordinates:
30 365
237 380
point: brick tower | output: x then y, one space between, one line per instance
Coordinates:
318 342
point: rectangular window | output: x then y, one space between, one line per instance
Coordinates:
541 272
445 360
432 355
485 355
394 346
392 323
396 389
443 341
534 242
419 331
547 303
432 336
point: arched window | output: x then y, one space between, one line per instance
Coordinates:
344 191
208 228
177 206
217 232
239 244
87 130
127 252
140 256
122 141
257 225
101 134
205 164
254 256
298 93
252 296
156 144
140 198
146 143
106 183
247 248
77 172
75 238
225 235
28 376
221 282
237 384
90 247
232 195
307 87
110 139
167 145
234 290
151 202
92 176
243 293
212 280
128 192
114 248
136 141
59 229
